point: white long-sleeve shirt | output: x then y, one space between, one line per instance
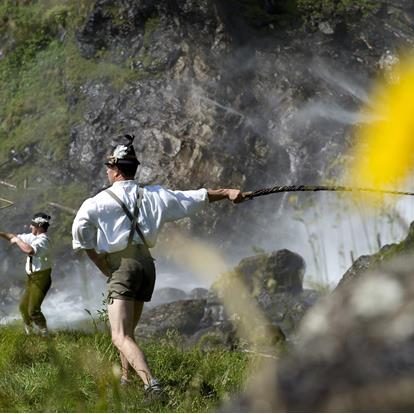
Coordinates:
40 259
101 223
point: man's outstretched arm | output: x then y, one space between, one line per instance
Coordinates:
23 246
225 193
7 236
13 239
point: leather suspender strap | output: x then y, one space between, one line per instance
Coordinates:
132 217
134 226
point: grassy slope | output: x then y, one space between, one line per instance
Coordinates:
77 372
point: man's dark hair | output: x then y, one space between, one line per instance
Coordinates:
41 220
128 170
126 159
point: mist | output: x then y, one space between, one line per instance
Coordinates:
328 230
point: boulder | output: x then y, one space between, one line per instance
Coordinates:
167 295
183 316
286 310
278 272
273 281
359 267
370 262
198 293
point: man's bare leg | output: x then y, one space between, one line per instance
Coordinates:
121 318
124 362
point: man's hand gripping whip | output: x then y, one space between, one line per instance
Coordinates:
291 188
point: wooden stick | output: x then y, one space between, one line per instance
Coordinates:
64 208
7 184
9 203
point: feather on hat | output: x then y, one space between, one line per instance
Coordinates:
123 153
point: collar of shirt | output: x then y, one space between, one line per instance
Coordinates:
124 183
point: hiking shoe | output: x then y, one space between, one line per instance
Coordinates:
44 333
28 329
153 386
153 391
124 382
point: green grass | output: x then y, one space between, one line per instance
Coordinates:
76 372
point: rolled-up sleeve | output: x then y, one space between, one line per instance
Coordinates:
26 237
40 246
180 204
84 228
29 239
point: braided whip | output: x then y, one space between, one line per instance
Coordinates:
289 188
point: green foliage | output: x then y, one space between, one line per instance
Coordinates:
79 70
395 250
34 110
42 75
78 372
58 15
102 320
315 11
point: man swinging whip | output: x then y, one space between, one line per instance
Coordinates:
116 228
36 245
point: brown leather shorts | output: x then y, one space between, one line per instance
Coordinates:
132 274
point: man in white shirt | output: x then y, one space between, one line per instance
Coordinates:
116 228
36 245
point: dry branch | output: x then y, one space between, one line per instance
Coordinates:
7 184
62 207
9 203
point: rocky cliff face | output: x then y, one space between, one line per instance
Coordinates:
224 104
218 94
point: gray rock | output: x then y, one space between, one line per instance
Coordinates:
326 28
370 262
274 282
167 295
198 293
183 316
358 268
287 310
277 272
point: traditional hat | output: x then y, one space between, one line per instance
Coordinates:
40 219
123 153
